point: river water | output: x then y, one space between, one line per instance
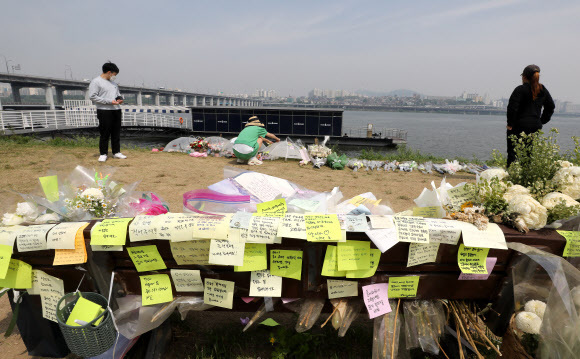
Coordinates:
450 135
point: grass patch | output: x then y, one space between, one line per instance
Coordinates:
405 153
11 141
403 197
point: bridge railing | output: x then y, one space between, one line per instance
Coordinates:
394 133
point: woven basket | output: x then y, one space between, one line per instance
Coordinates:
86 340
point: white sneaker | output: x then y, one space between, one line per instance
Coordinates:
102 158
254 161
119 155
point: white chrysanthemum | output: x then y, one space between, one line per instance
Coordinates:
515 190
49 217
537 307
93 193
27 210
528 322
500 173
554 198
530 211
567 179
12 219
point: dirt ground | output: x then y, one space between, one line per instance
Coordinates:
170 175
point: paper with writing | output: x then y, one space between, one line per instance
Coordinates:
426 212
262 229
353 255
219 293
33 238
110 232
384 238
45 283
274 208
375 257
472 259
155 289
62 236
186 280
341 288
258 186
376 297
264 284
49 303
143 228
18 276
176 227
211 227
489 264
420 253
572 248
286 263
226 253
104 248
50 187
8 234
322 228
330 264
5 256
460 195
255 258
358 200
292 226
443 231
241 220
411 229
379 222
403 287
305 204
491 237
146 258
191 252
355 223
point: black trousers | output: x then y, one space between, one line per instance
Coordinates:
511 154
109 127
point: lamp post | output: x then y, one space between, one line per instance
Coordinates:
5 62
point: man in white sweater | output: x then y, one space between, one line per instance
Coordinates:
104 93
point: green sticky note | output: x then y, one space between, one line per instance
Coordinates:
146 258
50 187
155 289
365 273
285 263
354 255
322 228
572 248
330 264
84 310
426 212
5 256
255 258
270 322
403 287
110 232
275 208
18 276
472 259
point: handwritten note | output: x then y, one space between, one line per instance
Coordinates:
211 227
422 253
426 212
226 253
186 280
263 229
110 232
403 287
460 195
155 289
375 257
354 255
49 303
18 276
105 248
330 264
219 293
33 238
384 239
305 204
275 208
62 236
322 228
43 283
258 186
5 256
376 297
472 259
146 258
341 288
379 222
50 187
489 263
8 234
176 227
358 200
72 256
572 248
286 263
241 220
355 223
491 237
411 229
264 284
292 226
255 258
443 231
143 228
191 252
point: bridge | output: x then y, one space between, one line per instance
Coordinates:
58 87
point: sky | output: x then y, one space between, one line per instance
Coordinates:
437 48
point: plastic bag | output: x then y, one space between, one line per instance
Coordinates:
309 313
336 162
386 330
424 323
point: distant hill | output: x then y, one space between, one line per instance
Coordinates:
398 93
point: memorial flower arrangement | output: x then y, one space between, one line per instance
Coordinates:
199 145
95 201
28 212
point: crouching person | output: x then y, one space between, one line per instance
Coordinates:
250 140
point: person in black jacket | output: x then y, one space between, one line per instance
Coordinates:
524 111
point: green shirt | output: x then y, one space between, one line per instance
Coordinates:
249 135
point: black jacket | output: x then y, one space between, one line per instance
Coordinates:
524 113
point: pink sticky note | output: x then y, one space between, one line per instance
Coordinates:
376 297
489 264
289 300
247 299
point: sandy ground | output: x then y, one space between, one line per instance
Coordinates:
171 174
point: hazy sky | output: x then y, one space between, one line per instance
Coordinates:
433 47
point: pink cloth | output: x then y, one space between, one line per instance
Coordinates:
198 154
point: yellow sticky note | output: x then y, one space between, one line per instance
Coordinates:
211 227
354 255
73 256
572 248
110 232
472 259
275 208
323 228
264 284
18 276
219 293
62 236
8 234
292 226
330 264
191 252
262 230
186 280
358 200
255 258
375 257
411 229
50 187
285 263
420 253
460 195
43 283
5 256
341 288
403 287
155 289
426 212
146 258
226 253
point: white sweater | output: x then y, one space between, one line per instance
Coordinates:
103 92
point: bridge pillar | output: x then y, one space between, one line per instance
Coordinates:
139 98
184 102
49 97
194 101
217 101
203 101
16 93
59 96
172 100
87 95
157 99
211 101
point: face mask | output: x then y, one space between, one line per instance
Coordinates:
113 78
